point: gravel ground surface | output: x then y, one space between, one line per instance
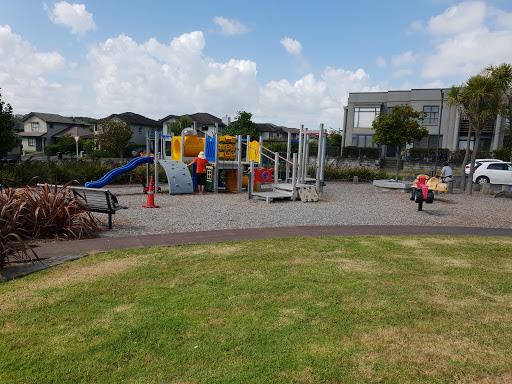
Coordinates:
341 203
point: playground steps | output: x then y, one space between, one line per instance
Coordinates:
306 193
270 196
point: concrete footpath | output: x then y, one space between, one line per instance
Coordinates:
53 253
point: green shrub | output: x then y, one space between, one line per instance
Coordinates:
51 150
100 153
89 146
347 174
504 154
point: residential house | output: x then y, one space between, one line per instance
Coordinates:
269 131
205 123
444 123
139 125
42 129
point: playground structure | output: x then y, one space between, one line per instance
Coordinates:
239 162
423 188
236 163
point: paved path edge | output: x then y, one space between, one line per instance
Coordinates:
53 253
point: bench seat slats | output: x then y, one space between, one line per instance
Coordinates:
97 199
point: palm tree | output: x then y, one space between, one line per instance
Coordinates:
480 99
454 98
503 74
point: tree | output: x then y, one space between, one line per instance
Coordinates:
334 139
9 139
176 127
399 127
503 74
243 125
114 135
480 100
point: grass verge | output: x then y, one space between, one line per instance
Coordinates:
334 309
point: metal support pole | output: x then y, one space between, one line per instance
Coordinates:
318 175
155 159
240 175
322 164
276 169
148 152
294 177
247 148
439 132
288 151
182 148
250 185
299 157
304 166
216 166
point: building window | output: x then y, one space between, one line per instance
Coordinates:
363 141
35 127
50 125
432 114
429 141
31 142
364 116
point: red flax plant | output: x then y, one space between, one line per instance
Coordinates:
12 246
53 212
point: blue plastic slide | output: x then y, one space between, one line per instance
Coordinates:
119 171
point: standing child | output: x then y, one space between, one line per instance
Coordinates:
201 164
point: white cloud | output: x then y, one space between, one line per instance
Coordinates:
25 76
415 26
381 62
468 37
311 101
292 46
156 79
229 27
460 18
406 58
72 15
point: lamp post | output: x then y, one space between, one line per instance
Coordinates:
439 132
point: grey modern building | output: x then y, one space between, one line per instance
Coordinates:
452 128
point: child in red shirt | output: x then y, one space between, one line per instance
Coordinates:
201 164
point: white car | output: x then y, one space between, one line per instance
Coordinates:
478 162
494 173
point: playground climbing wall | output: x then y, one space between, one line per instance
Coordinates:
178 176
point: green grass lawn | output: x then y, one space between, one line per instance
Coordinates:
316 310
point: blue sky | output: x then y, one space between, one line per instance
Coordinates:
286 62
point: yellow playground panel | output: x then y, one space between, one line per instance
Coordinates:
230 178
193 145
254 147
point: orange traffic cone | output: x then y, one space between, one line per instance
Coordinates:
151 195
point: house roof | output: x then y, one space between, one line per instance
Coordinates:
291 130
136 119
203 119
32 134
54 118
268 127
75 131
169 117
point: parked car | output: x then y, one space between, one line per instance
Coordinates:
494 173
478 162
137 152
